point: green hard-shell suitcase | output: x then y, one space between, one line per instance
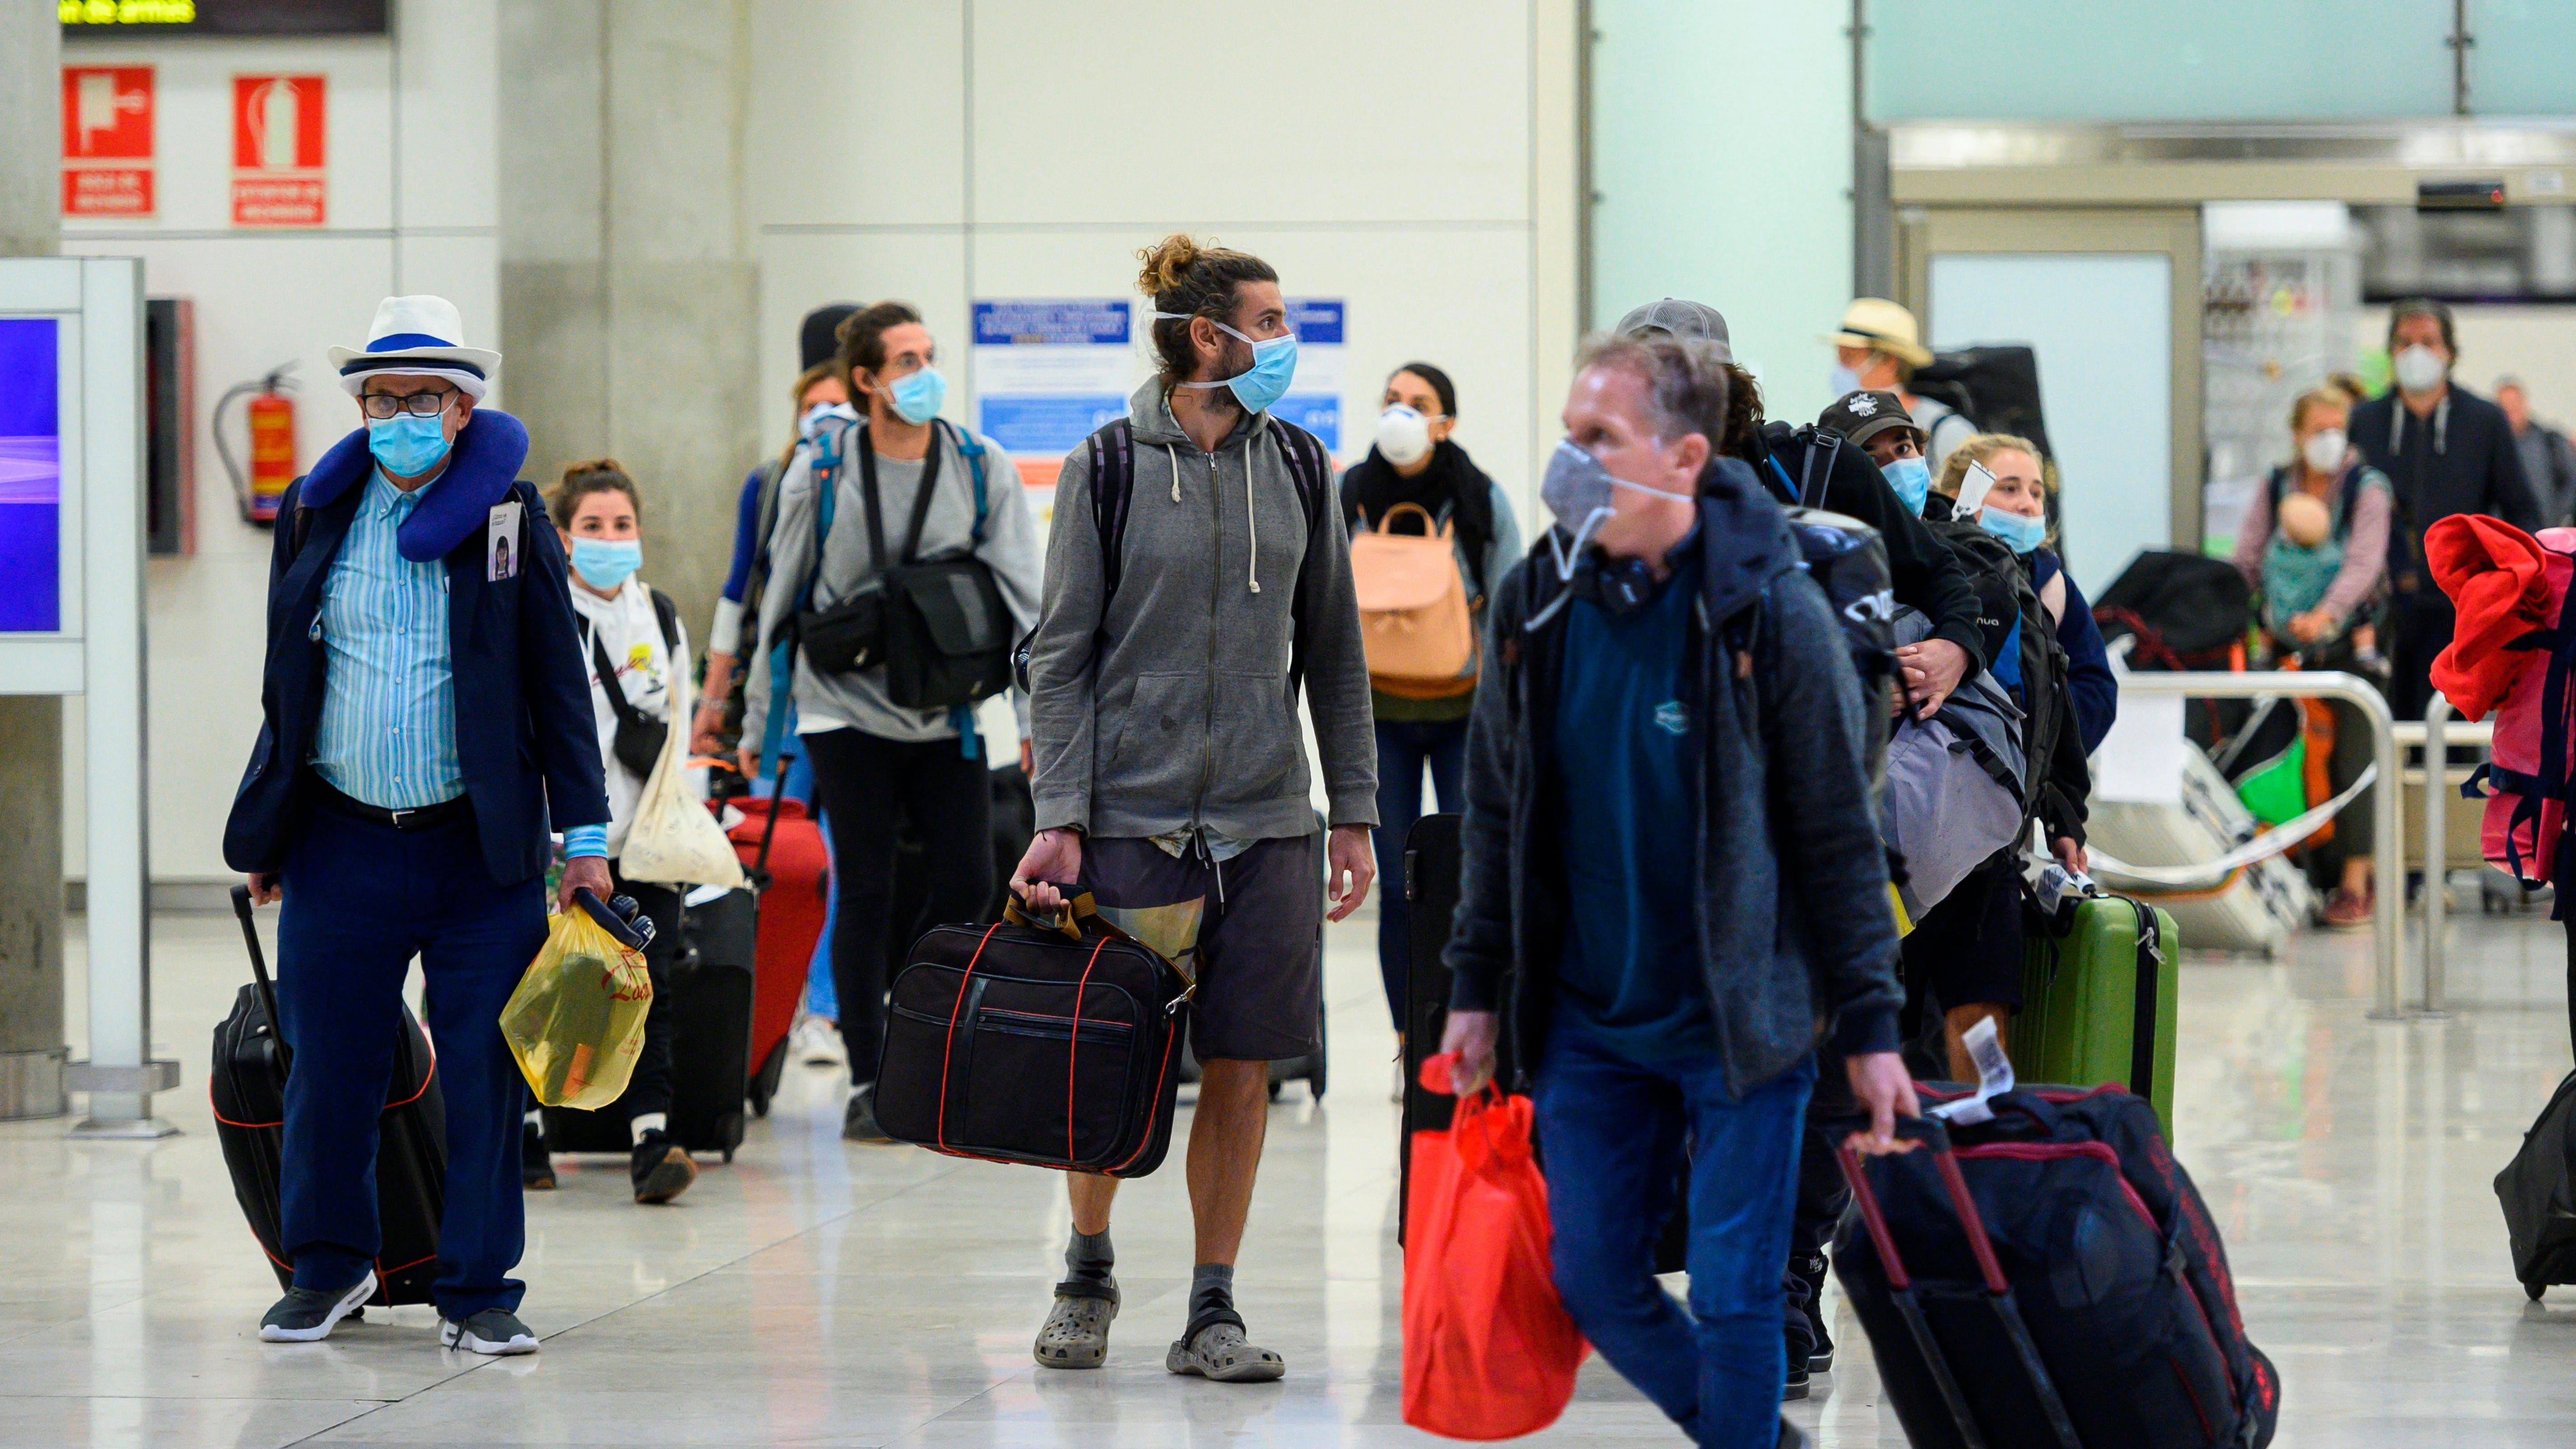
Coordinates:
2098 1000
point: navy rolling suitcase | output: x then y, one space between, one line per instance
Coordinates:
2050 1279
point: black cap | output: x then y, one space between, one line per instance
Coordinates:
816 339
1861 416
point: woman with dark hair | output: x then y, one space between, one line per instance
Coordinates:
1415 462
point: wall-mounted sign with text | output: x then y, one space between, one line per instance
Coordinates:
278 171
1047 371
107 140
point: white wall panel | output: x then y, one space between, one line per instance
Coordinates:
859 114
1325 112
800 271
448 114
268 296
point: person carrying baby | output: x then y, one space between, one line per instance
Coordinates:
2314 545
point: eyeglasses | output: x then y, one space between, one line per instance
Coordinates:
382 405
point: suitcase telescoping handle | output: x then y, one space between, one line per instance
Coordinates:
1935 1135
259 973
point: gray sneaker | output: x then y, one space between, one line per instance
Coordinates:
495 1331
1218 1352
306 1315
1076 1334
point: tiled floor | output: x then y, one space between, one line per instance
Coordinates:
816 1294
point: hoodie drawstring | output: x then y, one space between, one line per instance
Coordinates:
1251 529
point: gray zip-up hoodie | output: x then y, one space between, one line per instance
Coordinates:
1168 705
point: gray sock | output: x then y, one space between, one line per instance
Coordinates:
1088 1259
1211 1290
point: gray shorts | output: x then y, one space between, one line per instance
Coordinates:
1260 960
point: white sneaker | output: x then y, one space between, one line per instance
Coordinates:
817 1043
1397 1095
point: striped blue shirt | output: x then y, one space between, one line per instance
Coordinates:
388 731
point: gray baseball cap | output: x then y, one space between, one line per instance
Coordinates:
1675 317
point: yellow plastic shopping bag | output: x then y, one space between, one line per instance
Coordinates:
576 1023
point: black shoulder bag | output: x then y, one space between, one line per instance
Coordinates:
939 625
638 743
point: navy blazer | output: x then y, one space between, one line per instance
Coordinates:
524 730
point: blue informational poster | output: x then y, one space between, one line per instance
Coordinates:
1049 370
31 478
1314 400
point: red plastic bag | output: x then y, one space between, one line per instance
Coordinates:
1489 1352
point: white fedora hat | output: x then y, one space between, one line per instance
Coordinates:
419 335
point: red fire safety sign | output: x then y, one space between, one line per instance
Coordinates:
278 170
107 140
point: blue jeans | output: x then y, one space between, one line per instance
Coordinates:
1403 748
361 900
1612 1131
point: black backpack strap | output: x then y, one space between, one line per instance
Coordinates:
1113 479
921 497
1811 480
1312 468
666 615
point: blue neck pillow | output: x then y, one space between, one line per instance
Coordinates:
480 471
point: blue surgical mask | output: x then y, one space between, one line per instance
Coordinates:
1274 365
604 563
2023 532
408 446
916 396
820 413
1912 480
1843 381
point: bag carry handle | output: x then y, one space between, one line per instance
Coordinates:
259 973
1431 527
1080 912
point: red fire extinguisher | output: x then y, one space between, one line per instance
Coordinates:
270 417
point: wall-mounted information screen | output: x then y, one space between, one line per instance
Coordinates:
31 477
88 19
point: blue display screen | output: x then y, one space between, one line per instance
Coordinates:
31 478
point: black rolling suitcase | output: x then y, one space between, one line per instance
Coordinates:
709 997
248 1088
2538 1192
2050 1279
1433 859
1047 1046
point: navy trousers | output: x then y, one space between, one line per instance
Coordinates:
1614 1131
1403 748
361 900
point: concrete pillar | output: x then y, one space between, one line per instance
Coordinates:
629 276
32 1052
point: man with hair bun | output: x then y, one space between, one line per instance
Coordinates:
1197 577
1673 870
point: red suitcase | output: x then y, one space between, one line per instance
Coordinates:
792 870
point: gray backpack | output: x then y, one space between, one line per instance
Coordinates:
1955 783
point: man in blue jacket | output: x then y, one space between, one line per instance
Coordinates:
426 718
1672 855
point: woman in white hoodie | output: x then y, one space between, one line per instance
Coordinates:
638 653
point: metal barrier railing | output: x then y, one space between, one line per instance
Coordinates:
2388 851
2437 841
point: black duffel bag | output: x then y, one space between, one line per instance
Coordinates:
938 625
1053 1046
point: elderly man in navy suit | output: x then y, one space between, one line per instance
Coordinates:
427 722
